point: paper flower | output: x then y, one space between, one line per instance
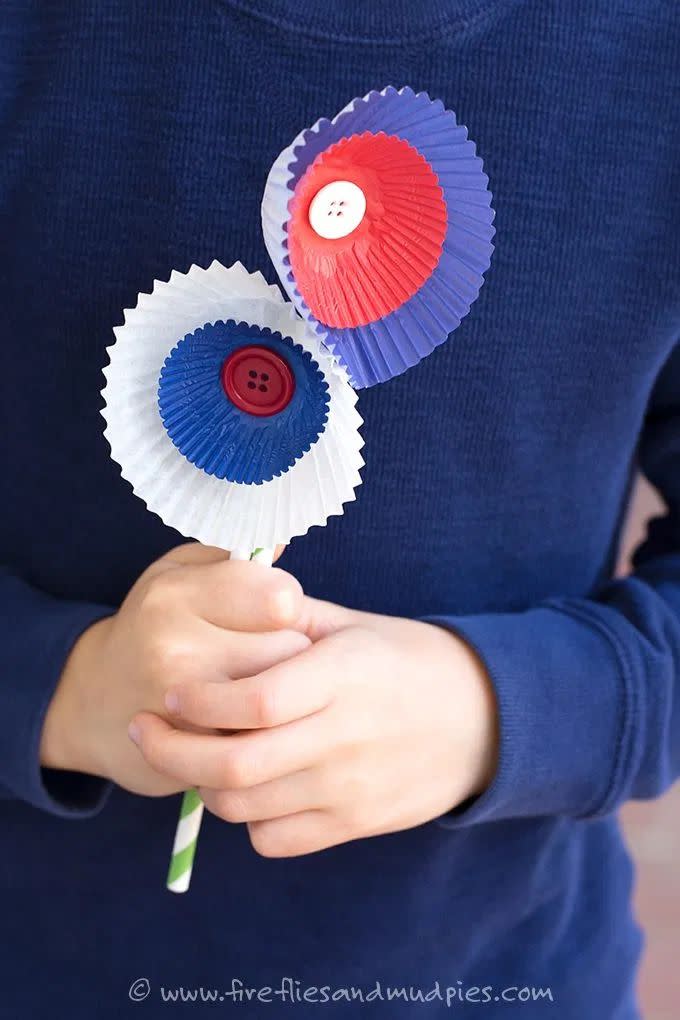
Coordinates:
379 225
227 414
233 423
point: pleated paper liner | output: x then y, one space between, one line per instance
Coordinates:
218 435
216 511
387 319
354 280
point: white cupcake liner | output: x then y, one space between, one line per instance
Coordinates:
217 512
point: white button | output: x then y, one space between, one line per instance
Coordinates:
337 209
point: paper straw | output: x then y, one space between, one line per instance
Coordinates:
186 838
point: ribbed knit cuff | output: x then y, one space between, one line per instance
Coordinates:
37 634
563 710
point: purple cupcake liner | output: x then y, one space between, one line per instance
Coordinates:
382 349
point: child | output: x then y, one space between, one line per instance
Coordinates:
428 763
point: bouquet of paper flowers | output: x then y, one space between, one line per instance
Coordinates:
231 411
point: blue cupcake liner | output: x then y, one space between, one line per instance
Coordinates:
220 438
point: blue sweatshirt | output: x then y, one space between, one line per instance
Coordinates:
135 138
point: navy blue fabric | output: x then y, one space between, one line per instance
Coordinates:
212 432
135 138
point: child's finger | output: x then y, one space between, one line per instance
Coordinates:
185 663
188 554
246 654
233 762
200 653
273 697
244 596
294 835
231 594
318 618
286 796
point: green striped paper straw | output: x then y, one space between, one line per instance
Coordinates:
186 839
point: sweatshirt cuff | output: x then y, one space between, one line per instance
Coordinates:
37 636
564 708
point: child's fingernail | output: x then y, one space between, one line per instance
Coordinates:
172 702
134 733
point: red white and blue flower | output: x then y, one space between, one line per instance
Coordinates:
379 224
227 414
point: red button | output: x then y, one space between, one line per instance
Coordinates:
258 381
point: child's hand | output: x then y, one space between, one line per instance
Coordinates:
381 725
192 617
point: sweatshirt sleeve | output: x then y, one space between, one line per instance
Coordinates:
37 633
588 690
